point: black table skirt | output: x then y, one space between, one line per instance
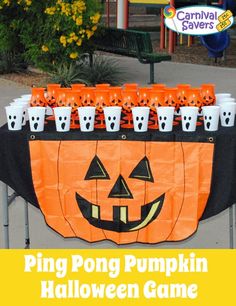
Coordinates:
15 168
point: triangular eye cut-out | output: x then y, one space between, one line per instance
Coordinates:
143 171
96 171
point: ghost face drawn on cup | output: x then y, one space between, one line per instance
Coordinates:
165 118
14 117
189 118
62 118
86 117
140 118
211 116
112 118
227 114
87 122
36 118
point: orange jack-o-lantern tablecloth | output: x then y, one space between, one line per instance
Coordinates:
124 191
126 187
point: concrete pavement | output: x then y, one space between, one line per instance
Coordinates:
212 233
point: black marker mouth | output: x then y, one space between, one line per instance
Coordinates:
140 126
120 223
87 125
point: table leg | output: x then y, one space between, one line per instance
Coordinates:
5 214
27 237
234 224
231 227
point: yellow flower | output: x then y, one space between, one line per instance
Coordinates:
74 55
95 18
70 40
89 33
28 2
45 48
63 40
94 28
50 10
79 42
79 21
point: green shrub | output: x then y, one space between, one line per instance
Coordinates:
50 31
67 74
103 70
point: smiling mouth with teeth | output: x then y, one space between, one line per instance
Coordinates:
120 223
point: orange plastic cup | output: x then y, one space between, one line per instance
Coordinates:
157 98
61 96
208 94
171 98
143 96
115 96
87 96
37 97
129 99
194 97
101 99
51 94
182 92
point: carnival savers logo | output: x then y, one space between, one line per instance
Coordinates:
198 20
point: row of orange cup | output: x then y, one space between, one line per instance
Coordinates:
128 96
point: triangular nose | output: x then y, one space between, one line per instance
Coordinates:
120 189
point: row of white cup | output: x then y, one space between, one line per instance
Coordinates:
16 118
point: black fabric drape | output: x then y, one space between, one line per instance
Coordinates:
15 159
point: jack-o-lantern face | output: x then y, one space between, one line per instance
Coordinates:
194 98
101 99
182 94
73 100
157 98
171 98
124 191
87 96
38 98
129 100
115 97
143 96
208 94
51 94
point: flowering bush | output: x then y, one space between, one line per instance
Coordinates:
50 31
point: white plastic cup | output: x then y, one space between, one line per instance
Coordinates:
165 116
112 118
22 100
14 117
86 118
25 106
211 115
226 100
36 118
220 96
227 114
189 116
140 118
62 118
27 96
